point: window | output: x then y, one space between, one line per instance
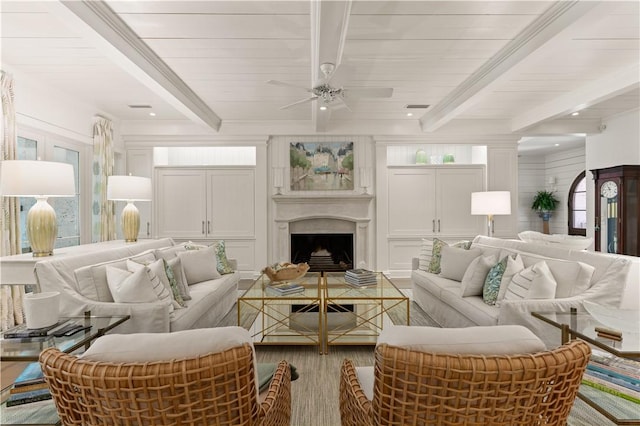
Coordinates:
578 206
34 146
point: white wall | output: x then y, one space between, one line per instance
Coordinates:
531 171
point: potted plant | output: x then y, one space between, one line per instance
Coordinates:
545 203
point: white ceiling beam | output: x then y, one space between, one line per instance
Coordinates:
595 92
121 44
547 26
329 26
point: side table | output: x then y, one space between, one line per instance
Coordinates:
44 412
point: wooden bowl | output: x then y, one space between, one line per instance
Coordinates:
289 271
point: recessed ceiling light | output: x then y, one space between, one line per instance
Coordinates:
556 144
409 114
153 114
323 108
575 113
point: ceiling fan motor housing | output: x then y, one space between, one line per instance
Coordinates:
326 92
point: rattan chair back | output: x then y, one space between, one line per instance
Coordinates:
212 389
421 388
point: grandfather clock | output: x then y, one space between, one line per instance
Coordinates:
617 213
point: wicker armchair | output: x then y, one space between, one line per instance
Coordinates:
421 388
212 389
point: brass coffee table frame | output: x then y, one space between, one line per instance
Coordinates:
362 312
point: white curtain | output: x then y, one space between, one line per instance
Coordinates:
103 210
10 295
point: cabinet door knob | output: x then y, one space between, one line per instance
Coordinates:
203 227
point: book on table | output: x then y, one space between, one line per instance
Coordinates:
30 379
360 277
22 332
28 397
614 375
285 288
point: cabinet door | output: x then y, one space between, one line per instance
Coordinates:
181 203
140 163
453 194
411 204
231 203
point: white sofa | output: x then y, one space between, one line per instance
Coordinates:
441 298
210 300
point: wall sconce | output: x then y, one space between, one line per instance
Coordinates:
38 179
278 179
364 179
491 203
551 183
129 189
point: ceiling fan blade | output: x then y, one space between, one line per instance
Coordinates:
342 103
313 98
283 84
368 92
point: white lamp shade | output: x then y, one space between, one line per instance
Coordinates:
491 203
26 178
129 188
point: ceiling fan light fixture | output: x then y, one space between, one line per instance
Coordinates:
323 108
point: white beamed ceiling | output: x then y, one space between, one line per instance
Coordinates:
517 63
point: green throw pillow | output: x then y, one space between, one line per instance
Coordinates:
436 253
173 283
223 265
491 286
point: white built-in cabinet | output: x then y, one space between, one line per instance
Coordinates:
205 203
427 201
140 163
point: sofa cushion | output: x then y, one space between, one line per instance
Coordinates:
473 307
169 253
131 287
572 278
199 265
534 282
514 265
493 340
491 285
92 279
475 275
436 251
455 261
181 280
159 269
433 283
150 347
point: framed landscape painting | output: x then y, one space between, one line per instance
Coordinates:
321 166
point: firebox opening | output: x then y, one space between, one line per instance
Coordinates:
323 252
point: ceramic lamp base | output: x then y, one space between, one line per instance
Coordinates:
42 228
130 222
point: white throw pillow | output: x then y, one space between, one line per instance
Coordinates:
475 275
455 261
514 265
534 282
130 287
153 270
481 340
199 265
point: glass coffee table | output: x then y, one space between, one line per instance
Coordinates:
328 312
355 315
28 350
581 325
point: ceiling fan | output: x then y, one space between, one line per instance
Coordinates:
330 95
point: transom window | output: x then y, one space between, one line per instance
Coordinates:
578 206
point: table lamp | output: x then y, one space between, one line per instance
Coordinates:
129 189
39 179
491 203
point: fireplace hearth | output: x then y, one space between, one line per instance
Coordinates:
323 252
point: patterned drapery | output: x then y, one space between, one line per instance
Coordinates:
103 210
10 295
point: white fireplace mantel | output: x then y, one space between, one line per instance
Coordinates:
357 209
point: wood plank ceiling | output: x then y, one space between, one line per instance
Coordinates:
517 66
